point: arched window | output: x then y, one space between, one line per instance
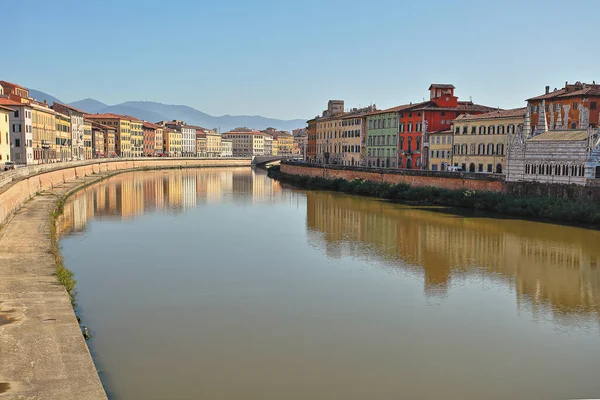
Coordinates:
500 149
463 149
482 130
491 130
490 149
471 167
499 168
472 149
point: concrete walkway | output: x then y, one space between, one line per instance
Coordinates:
43 354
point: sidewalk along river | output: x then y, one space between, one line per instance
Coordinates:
223 284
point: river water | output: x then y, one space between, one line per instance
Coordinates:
222 284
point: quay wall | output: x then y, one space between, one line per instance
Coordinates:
20 185
447 180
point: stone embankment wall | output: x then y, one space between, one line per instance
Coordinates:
20 185
447 180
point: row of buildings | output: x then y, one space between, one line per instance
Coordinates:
33 132
553 139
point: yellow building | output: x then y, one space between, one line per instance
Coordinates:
440 150
43 125
158 140
122 126
201 147
275 147
4 135
87 139
137 137
285 142
62 144
213 144
173 142
480 141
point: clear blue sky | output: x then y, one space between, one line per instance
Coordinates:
285 59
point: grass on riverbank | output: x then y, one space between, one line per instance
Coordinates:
551 208
64 276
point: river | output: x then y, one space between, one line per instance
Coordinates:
223 284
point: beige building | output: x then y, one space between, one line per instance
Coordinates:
173 142
268 144
275 147
137 137
246 143
63 137
87 140
480 141
4 135
440 150
201 146
285 142
43 123
122 126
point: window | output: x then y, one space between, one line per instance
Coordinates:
464 130
17 142
575 105
489 168
472 149
482 130
443 113
16 113
480 168
592 105
457 131
574 125
418 143
473 130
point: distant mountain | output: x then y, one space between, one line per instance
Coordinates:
41 96
90 105
152 111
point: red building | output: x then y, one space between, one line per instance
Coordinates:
14 92
437 114
148 149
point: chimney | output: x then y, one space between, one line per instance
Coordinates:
566 83
547 89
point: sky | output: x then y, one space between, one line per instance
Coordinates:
286 59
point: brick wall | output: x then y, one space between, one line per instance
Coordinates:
448 180
13 194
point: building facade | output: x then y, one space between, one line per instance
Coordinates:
575 106
122 126
226 148
268 144
14 92
136 137
149 145
63 137
382 139
98 137
480 141
311 150
440 150
77 129
87 140
5 134
173 142
246 143
20 131
555 156
188 135
43 120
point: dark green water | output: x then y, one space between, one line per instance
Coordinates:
221 284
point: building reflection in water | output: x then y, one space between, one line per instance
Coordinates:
552 269
129 195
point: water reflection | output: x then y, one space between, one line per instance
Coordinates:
552 268
129 195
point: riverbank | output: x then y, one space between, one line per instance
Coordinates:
43 354
547 208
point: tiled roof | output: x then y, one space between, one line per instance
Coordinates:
513 113
151 125
12 84
403 107
561 135
463 106
244 133
69 107
7 102
573 90
104 116
6 108
441 86
101 126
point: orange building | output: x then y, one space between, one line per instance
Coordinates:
576 106
14 92
122 126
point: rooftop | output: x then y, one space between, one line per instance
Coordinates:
7 102
69 107
512 113
12 84
441 86
562 135
571 90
